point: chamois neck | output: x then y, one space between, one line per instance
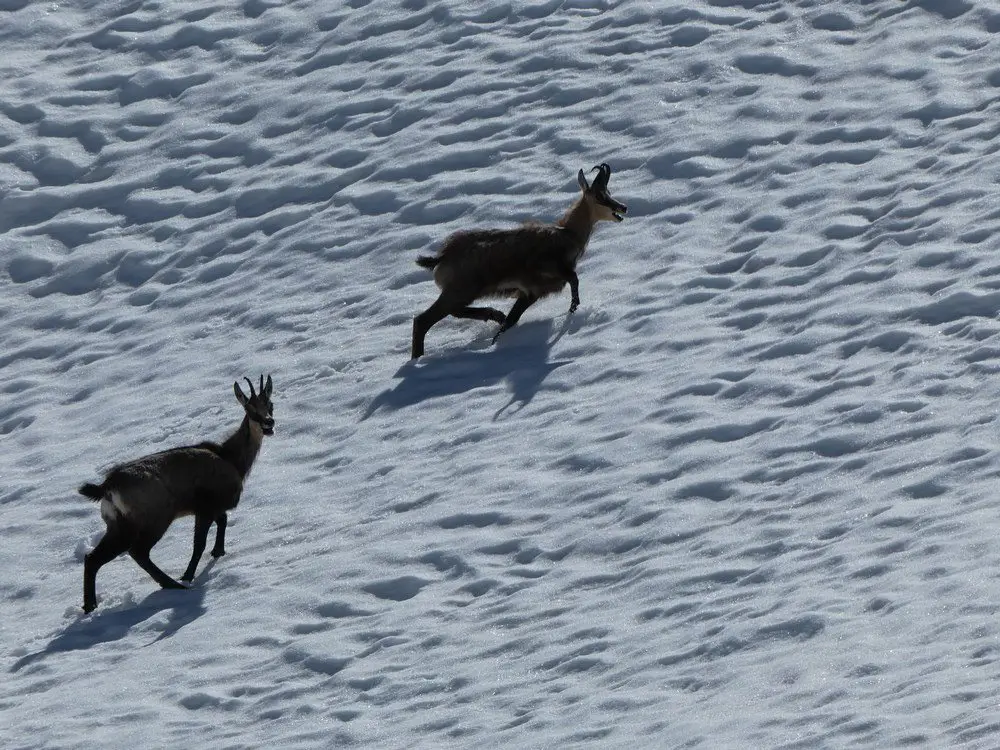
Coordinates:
578 221
241 448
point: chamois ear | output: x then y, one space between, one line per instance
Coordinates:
582 179
267 387
239 394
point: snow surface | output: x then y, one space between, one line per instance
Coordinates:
746 496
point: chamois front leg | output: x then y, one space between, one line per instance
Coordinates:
523 302
201 527
220 536
574 289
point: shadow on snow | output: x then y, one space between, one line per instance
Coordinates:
521 359
104 626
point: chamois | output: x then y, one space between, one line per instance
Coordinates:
528 263
141 498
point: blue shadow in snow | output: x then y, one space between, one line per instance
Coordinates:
520 358
112 625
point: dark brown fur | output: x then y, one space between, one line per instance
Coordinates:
527 263
141 498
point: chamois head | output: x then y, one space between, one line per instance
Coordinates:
258 406
605 208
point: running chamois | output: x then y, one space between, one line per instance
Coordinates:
141 498
527 263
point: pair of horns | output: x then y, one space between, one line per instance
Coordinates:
601 181
262 386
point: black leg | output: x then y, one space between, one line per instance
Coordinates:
111 545
522 303
480 313
569 275
423 322
574 289
140 554
220 536
201 526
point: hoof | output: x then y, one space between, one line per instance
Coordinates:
218 552
88 608
173 585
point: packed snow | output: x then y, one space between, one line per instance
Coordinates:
744 497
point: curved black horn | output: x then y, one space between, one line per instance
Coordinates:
250 383
601 181
261 387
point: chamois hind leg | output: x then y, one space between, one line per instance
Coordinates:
522 303
112 544
443 306
201 526
140 553
219 549
480 313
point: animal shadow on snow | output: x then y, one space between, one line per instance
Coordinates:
112 624
520 358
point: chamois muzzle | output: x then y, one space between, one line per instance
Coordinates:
266 425
618 210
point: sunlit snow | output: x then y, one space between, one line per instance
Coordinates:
745 497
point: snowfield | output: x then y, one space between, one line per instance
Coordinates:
745 497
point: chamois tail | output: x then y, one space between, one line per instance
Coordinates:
93 491
428 261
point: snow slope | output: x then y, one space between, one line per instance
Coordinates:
743 497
